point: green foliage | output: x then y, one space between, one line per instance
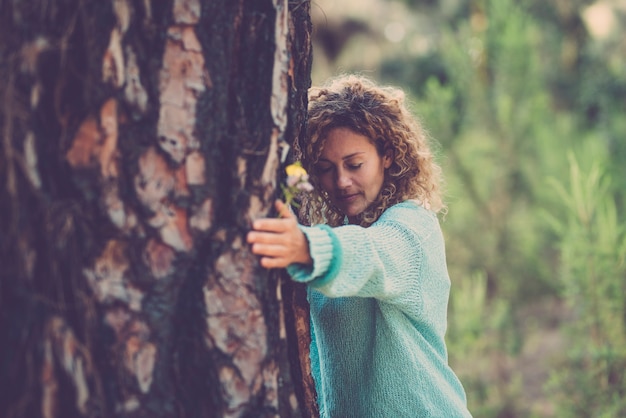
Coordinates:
483 331
591 381
493 120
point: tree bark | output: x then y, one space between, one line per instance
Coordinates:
139 139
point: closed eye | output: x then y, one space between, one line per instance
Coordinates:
323 169
354 166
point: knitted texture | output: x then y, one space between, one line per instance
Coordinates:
378 299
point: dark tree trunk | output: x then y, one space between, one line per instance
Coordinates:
138 141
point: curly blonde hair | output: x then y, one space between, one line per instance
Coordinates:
379 113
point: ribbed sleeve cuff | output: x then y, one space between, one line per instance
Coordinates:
321 242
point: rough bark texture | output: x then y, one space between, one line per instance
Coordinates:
138 141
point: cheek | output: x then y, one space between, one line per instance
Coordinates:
376 181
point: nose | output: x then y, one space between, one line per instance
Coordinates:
343 179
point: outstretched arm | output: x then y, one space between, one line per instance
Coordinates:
279 241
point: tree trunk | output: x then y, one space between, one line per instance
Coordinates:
138 141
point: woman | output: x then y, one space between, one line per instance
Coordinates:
374 258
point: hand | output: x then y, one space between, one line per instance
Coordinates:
279 241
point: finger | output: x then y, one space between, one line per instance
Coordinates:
268 250
283 210
262 238
273 263
270 225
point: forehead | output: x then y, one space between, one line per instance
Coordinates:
342 142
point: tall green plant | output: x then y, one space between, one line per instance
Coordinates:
591 379
478 336
500 136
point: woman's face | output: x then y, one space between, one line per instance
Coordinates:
351 171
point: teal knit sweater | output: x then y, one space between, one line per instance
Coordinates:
378 299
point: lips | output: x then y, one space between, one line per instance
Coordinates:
347 198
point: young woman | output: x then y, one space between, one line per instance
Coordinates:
374 257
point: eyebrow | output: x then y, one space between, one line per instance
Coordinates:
347 157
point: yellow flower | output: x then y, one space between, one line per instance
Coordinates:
295 170
297 182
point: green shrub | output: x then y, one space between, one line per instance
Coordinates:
590 380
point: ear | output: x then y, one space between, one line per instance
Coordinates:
388 157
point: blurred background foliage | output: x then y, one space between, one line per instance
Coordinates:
526 103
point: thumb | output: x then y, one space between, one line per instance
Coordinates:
283 210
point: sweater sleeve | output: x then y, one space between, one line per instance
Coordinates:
325 250
383 261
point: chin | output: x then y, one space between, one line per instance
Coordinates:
354 213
